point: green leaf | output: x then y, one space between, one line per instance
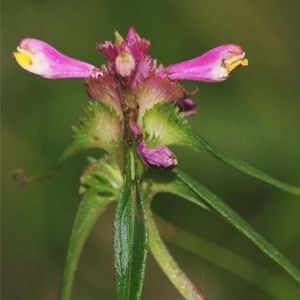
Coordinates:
164 181
163 124
91 206
232 217
199 143
273 284
130 237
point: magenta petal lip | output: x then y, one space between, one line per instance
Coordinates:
42 59
157 157
213 66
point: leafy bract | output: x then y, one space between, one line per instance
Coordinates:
102 176
163 124
101 127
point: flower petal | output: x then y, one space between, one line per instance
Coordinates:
213 66
143 69
42 59
187 107
157 157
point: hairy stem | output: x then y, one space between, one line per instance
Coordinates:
167 263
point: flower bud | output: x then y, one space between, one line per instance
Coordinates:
187 106
125 63
157 157
132 35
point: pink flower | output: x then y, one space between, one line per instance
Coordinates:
157 157
42 59
129 57
187 107
132 84
213 66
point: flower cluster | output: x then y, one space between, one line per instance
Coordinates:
132 82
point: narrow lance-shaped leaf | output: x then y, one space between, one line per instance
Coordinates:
130 237
176 131
232 217
273 284
91 206
200 143
164 181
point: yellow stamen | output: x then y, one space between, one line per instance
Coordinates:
23 57
240 62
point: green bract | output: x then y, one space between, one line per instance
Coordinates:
101 128
164 124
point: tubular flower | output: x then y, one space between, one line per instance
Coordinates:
132 91
213 66
42 59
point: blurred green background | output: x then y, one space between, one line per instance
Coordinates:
254 115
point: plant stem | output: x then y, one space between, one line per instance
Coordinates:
167 263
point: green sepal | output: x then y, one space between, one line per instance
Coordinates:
101 127
164 124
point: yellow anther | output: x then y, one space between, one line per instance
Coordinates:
233 65
23 58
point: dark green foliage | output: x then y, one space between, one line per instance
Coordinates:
130 237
